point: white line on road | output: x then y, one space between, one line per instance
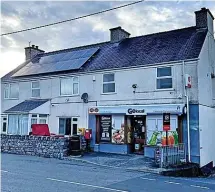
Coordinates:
4 171
83 184
170 182
149 179
198 186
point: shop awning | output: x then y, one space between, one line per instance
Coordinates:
40 106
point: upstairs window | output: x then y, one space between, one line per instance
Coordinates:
35 89
69 86
164 78
109 83
11 91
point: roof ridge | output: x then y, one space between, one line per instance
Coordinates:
106 42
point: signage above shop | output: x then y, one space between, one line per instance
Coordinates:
138 109
135 111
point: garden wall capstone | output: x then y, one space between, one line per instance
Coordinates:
43 146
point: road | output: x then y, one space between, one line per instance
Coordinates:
37 174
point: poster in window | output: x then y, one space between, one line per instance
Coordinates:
118 135
105 125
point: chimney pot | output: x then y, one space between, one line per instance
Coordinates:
33 46
36 47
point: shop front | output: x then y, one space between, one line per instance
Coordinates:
134 128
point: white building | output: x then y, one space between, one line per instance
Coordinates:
130 83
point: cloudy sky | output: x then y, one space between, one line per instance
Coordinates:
140 19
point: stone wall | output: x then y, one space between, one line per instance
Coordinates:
35 145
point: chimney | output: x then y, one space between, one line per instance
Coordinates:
118 34
32 51
204 19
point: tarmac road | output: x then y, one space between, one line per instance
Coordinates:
37 174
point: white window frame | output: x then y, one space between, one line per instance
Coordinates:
108 83
9 90
73 82
38 118
164 77
72 122
32 88
2 122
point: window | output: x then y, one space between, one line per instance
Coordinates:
11 91
68 126
164 78
69 86
35 89
109 83
39 119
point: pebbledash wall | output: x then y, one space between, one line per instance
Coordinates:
43 146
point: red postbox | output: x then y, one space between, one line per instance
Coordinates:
88 134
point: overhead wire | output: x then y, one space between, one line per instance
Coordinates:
72 19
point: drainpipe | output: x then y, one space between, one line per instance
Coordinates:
188 109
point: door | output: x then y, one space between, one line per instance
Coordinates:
4 124
68 126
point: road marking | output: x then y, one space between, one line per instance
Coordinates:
170 182
148 179
83 184
4 171
198 186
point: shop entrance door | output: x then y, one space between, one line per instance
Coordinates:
138 132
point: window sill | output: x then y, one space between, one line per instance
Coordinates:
169 89
69 95
11 98
111 93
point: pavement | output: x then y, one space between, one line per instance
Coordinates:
33 174
128 162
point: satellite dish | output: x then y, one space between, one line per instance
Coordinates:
84 96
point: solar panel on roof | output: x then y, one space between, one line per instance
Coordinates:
57 62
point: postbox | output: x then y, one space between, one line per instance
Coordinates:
88 134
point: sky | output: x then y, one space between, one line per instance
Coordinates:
140 19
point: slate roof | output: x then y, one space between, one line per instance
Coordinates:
26 106
180 44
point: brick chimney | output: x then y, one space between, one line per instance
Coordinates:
118 34
32 51
204 19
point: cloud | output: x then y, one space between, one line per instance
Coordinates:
144 18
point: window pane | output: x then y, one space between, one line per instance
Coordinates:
33 115
42 121
35 92
4 127
14 91
6 91
75 119
62 126
75 127
66 86
165 71
109 88
75 88
41 115
33 121
36 84
164 83
108 77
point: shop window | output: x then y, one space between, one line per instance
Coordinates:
35 89
164 78
11 91
69 86
109 83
